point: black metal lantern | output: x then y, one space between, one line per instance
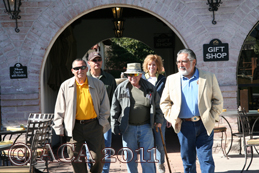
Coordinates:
118 24
117 12
12 7
118 33
213 6
118 21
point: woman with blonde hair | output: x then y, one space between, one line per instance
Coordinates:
153 67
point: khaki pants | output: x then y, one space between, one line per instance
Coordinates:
92 134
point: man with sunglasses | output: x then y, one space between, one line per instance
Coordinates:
135 111
81 111
95 63
192 101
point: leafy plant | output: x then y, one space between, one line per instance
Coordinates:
126 50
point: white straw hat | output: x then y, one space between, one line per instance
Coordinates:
133 68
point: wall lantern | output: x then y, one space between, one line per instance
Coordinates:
12 7
117 12
118 24
118 21
118 33
214 4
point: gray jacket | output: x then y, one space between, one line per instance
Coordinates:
120 107
65 109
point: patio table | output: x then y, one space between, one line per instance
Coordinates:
5 133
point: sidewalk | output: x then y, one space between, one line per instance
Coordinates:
223 165
233 164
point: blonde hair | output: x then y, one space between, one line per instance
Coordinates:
158 61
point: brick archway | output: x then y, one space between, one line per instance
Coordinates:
87 9
191 21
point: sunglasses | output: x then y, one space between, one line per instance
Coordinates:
77 68
136 74
96 60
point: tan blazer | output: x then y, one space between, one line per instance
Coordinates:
210 101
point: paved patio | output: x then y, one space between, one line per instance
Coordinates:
233 164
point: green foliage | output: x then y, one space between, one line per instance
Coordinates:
126 50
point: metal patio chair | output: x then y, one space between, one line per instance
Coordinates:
43 122
39 122
32 159
248 133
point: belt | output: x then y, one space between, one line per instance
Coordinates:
193 119
85 121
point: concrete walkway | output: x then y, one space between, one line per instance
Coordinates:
233 164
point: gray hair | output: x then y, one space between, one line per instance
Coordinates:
189 52
78 59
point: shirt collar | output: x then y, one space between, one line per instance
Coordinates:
147 75
86 83
195 75
102 74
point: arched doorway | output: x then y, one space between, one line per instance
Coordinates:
97 26
248 73
248 69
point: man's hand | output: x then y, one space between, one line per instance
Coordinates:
61 135
168 124
117 130
159 125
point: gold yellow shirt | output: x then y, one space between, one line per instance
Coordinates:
84 107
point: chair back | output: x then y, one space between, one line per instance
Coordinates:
34 147
43 123
244 122
245 125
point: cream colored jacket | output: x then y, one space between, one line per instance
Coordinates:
65 108
210 101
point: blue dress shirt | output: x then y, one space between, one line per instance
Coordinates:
189 106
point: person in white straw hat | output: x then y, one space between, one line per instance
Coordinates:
135 111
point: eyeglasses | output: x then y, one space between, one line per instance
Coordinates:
184 62
77 68
96 60
136 74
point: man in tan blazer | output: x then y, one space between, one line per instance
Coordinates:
191 102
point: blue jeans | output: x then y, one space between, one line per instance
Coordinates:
135 137
160 152
108 142
194 139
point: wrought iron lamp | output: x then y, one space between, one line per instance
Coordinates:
118 21
213 6
117 12
118 33
12 7
118 24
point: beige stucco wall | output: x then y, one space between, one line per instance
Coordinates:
43 21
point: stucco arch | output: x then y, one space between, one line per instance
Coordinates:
86 11
190 20
181 18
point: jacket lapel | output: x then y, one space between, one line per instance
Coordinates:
178 89
72 89
202 82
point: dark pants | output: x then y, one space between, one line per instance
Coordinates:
92 134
